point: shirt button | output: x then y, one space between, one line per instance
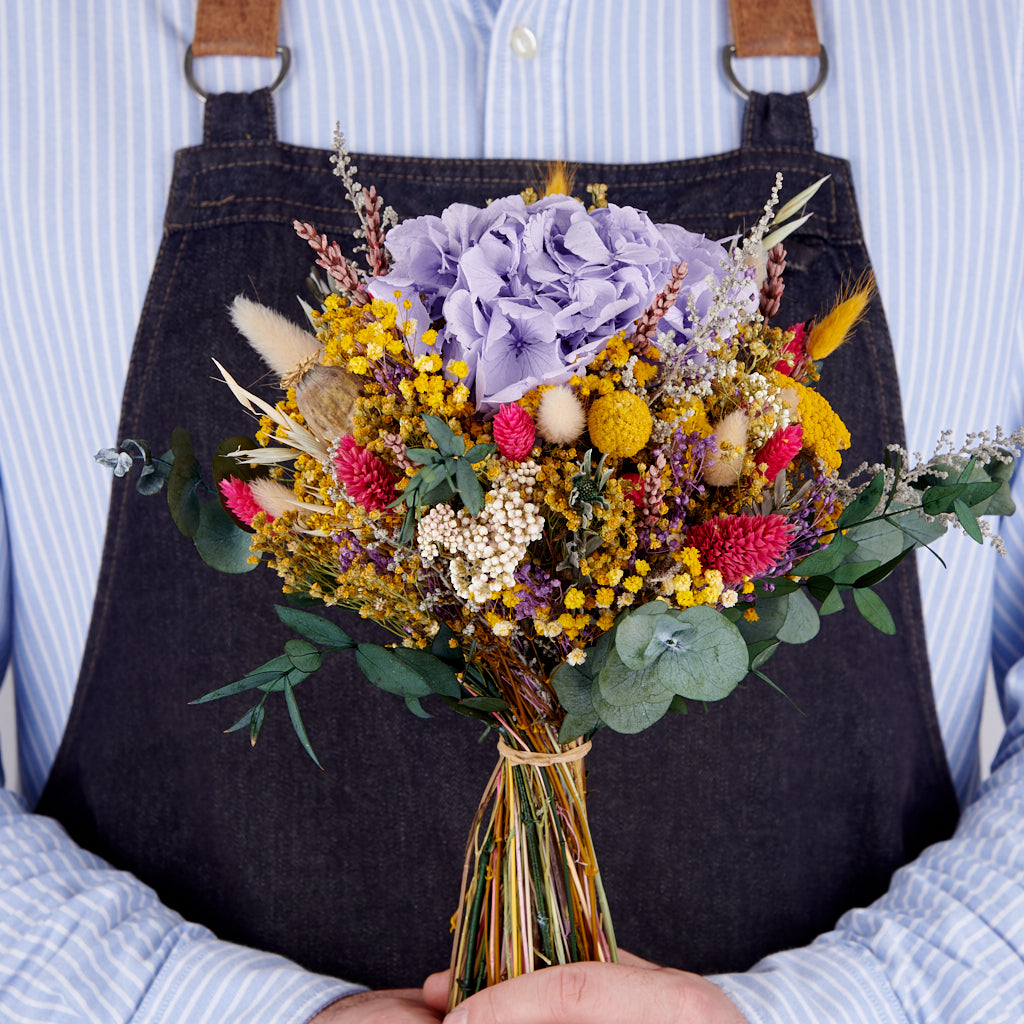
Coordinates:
523 42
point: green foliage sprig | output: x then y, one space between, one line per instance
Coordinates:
447 471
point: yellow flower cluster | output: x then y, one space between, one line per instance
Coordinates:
825 434
620 424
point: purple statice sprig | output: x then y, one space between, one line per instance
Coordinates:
686 456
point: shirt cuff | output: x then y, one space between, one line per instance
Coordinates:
205 979
841 983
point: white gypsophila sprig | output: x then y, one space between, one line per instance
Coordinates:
947 460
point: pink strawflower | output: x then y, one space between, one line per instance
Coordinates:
365 477
741 546
514 432
797 348
240 500
781 449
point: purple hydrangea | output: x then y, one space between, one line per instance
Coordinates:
529 295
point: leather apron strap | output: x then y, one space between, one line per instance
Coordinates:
774 28
760 27
242 28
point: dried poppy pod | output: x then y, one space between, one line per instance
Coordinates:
326 397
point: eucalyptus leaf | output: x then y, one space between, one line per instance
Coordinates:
471 492
485 704
274 669
442 648
153 476
968 521
802 622
385 671
458 706
441 491
141 446
819 587
873 608
851 574
1001 503
221 544
413 704
183 484
832 603
760 652
879 541
714 661
256 719
573 689
303 656
825 559
782 585
479 452
111 458
315 628
245 720
448 442
632 718
865 503
875 576
941 498
437 674
620 685
408 527
634 633
918 531
575 726
424 456
296 720
771 614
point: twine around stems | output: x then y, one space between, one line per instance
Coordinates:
539 760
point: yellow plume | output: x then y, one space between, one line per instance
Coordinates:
835 327
558 179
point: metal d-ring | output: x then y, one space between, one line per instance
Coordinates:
282 51
728 52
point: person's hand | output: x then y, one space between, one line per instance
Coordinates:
392 1006
633 990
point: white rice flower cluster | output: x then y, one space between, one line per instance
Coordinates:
489 547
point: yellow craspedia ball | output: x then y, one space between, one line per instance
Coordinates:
620 424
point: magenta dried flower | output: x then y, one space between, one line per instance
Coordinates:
514 432
240 501
742 546
365 477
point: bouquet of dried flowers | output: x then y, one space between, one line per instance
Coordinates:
565 456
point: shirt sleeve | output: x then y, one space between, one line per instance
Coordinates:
946 943
80 941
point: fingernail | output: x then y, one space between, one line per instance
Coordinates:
458 1016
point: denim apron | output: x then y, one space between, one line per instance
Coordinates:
722 836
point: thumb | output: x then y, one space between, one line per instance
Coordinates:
435 991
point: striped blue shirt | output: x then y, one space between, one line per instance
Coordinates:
925 100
